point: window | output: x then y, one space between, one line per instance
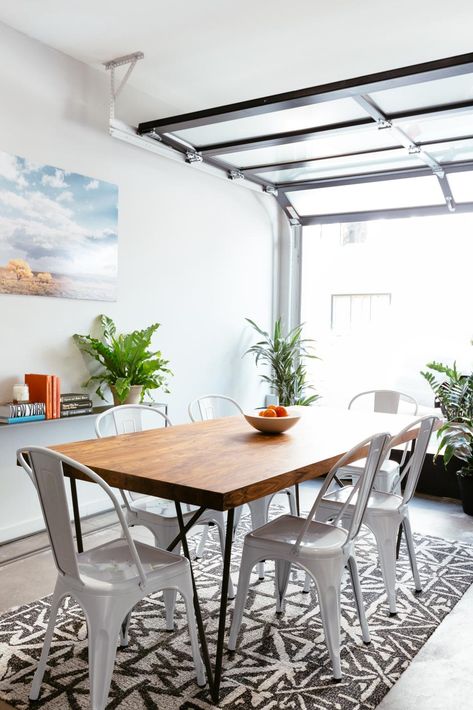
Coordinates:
356 310
353 233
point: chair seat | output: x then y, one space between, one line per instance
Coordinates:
389 466
320 538
377 503
110 566
159 506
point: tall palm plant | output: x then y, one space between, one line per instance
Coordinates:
285 354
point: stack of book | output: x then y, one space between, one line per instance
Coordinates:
75 403
14 413
45 388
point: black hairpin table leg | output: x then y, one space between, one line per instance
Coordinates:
298 501
214 677
75 508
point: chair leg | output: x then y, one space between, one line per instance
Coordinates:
187 593
236 519
306 589
281 580
246 567
124 630
169 596
358 594
38 676
385 531
328 588
103 630
202 542
259 517
406 524
221 534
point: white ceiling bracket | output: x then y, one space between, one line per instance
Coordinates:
235 175
193 156
127 59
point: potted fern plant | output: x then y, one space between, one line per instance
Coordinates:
125 361
285 353
454 393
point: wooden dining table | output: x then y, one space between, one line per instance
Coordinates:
224 463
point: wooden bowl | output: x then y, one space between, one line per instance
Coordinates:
271 425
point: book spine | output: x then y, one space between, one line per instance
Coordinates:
22 409
58 398
66 406
49 397
16 420
67 398
75 412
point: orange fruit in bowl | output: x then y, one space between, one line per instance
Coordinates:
268 413
273 406
281 411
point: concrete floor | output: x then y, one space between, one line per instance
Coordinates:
440 676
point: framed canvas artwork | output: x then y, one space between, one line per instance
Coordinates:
58 232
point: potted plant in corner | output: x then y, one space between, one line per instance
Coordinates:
126 362
454 393
285 354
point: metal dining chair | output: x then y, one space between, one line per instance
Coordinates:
388 402
211 406
321 549
106 581
386 512
158 515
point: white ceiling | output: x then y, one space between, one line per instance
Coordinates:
205 53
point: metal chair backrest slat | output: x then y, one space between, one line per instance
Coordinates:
207 407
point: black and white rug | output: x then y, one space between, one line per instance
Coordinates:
281 662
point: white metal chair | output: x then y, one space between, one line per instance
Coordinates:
106 581
211 406
386 512
321 549
156 514
389 402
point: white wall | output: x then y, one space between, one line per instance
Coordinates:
196 253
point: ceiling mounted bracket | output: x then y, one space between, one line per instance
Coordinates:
271 190
235 175
127 59
192 156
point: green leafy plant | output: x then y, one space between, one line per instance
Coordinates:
285 354
454 392
124 359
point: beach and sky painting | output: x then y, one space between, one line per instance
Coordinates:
58 232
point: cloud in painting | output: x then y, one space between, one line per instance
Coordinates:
10 170
55 180
70 231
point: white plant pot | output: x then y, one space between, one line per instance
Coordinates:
134 396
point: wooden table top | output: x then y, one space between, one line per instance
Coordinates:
224 462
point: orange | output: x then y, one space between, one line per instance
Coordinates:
281 411
268 413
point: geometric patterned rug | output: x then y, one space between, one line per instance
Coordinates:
281 662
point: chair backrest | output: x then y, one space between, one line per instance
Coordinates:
47 469
412 470
378 447
129 418
387 401
212 406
